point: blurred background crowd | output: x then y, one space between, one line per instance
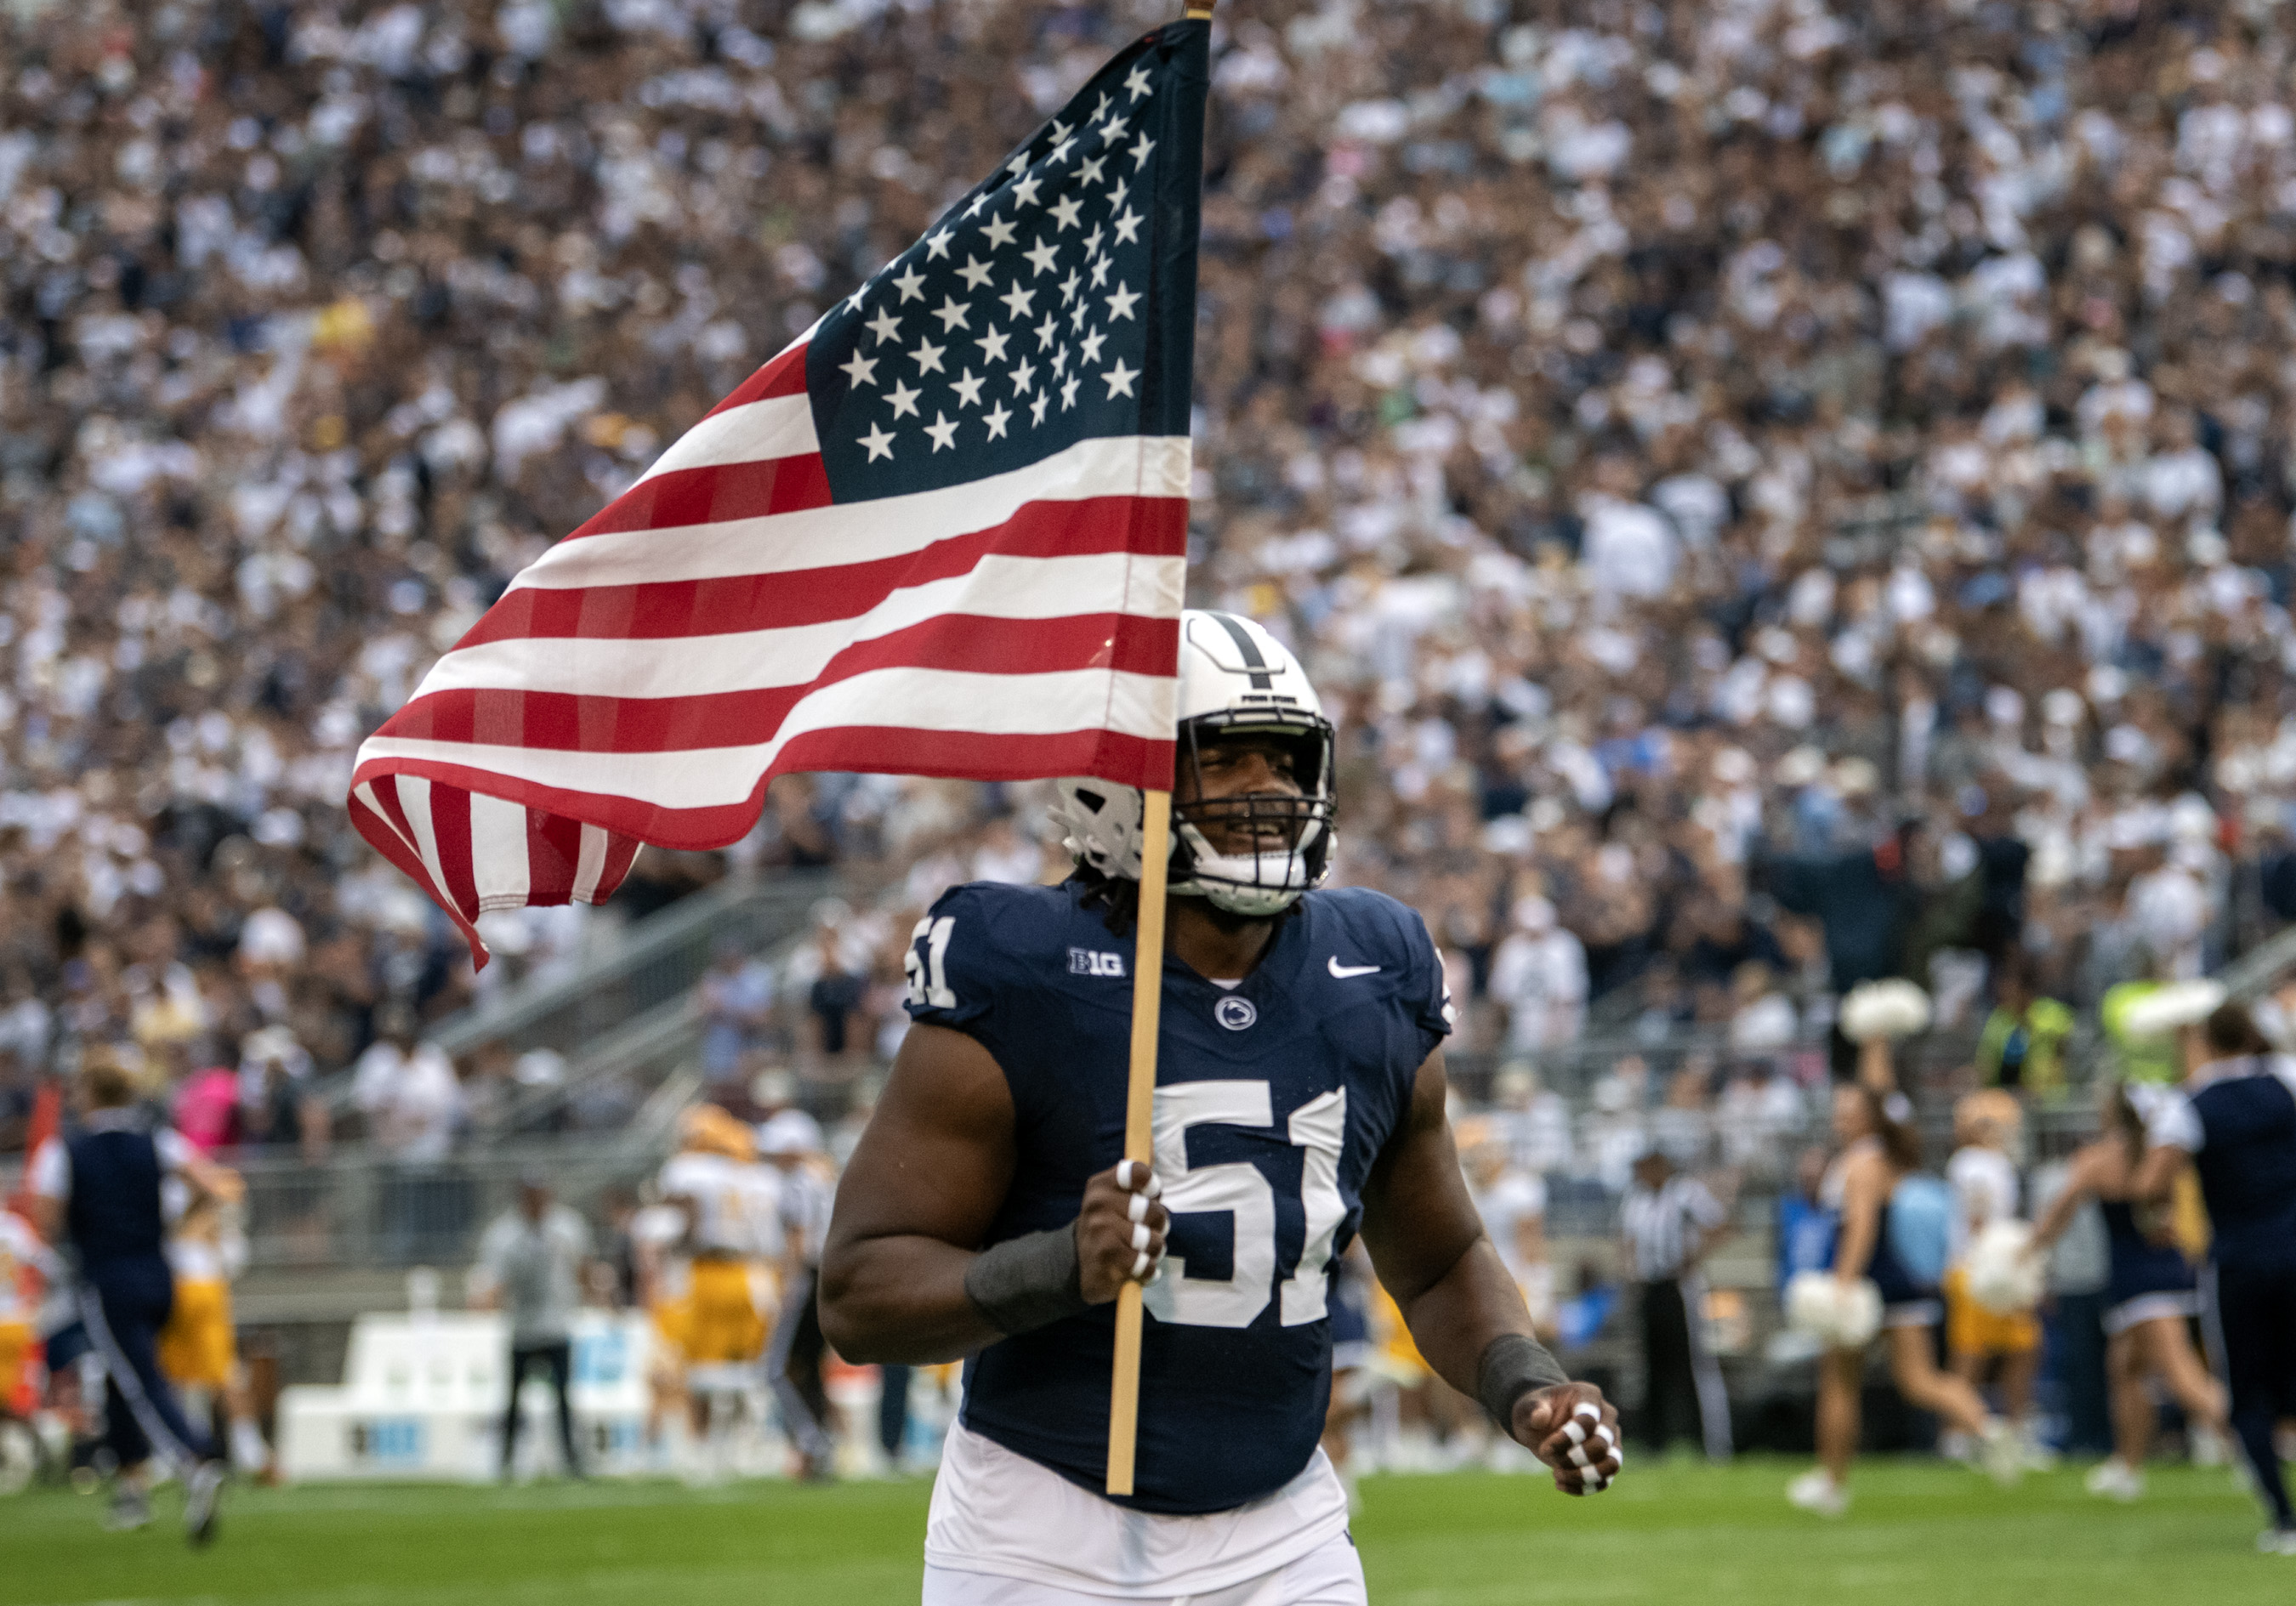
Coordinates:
1773 496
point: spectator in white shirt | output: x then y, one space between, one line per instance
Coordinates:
1539 976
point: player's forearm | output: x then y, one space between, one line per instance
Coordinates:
901 1300
1455 1318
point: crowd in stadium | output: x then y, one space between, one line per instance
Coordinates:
1686 442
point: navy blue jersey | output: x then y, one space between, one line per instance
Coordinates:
1272 1099
113 1211
2237 1119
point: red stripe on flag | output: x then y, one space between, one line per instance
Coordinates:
450 828
554 849
965 643
784 375
714 494
621 853
1149 526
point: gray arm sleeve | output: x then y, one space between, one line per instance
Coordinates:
1513 1365
1025 1283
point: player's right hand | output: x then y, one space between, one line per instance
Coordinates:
1120 1232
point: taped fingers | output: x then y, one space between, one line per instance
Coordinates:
1137 1208
1141 1237
1143 1264
1133 1178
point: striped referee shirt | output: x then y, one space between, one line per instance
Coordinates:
1661 1225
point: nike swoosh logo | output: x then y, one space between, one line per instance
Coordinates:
1343 971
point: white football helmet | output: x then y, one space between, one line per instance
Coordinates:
1235 678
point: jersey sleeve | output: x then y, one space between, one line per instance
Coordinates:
1426 989
51 1174
2172 1123
1705 1211
174 1149
968 964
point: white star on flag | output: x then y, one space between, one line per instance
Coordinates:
1120 379
880 444
943 433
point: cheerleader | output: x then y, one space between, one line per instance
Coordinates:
2152 1300
1880 1150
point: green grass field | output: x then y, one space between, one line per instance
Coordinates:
1674 1533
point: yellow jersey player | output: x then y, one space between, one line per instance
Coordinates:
199 1348
713 1182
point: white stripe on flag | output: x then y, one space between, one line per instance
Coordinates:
997 587
923 699
498 852
781 426
590 864
415 800
862 532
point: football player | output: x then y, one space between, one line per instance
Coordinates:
1299 1102
715 1182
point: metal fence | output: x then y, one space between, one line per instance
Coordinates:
356 1211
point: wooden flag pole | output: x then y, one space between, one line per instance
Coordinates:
1139 1107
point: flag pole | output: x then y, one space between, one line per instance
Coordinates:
1140 1089
1139 1104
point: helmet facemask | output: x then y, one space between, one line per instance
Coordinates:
1290 833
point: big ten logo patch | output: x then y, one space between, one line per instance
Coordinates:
1092 962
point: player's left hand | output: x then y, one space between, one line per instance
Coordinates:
1575 1432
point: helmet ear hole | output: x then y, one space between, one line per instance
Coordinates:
1091 799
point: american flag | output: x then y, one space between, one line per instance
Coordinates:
943 534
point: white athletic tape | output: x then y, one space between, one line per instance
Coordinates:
1572 1432
1591 1412
1140 1236
1594 1483
1578 1458
1139 1209
1606 1436
1124 1168
1140 1264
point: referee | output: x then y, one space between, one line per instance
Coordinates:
2234 1120
1670 1222
100 1191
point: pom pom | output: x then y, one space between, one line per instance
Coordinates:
1886 1010
2004 1276
1839 1317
